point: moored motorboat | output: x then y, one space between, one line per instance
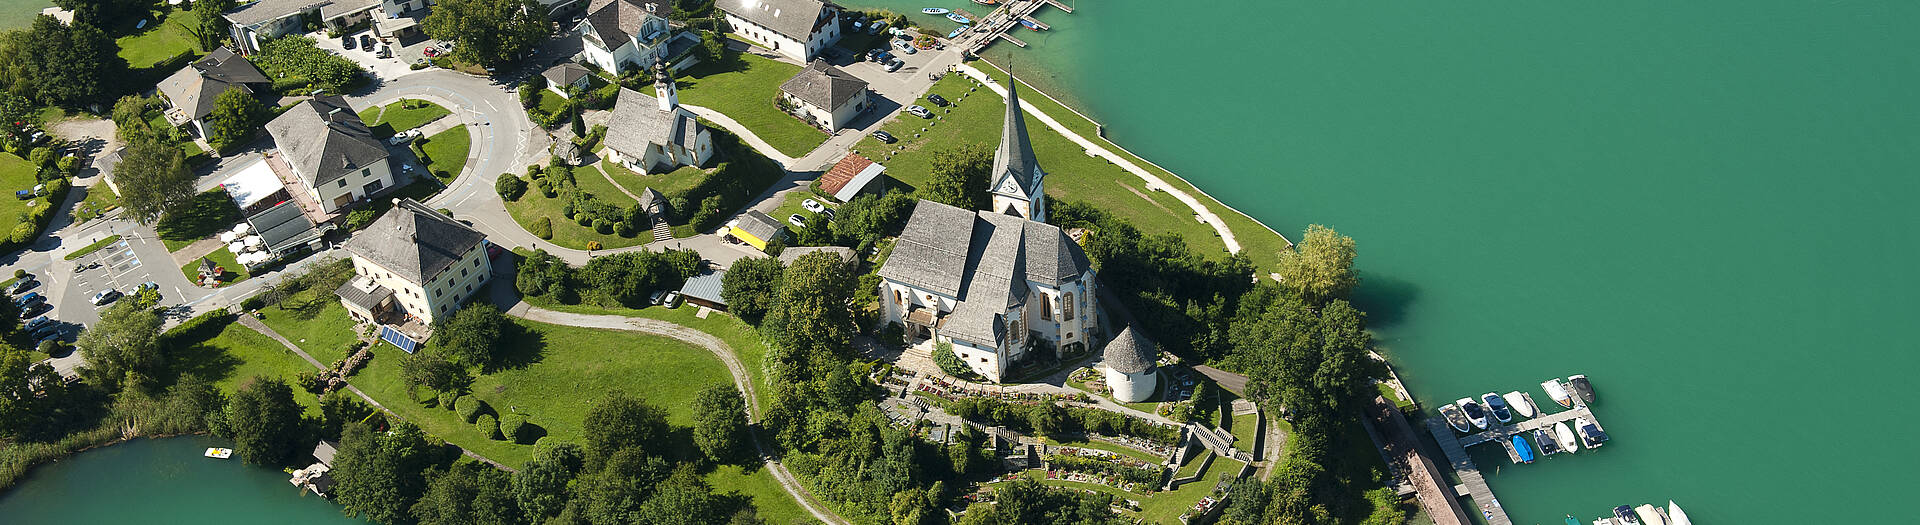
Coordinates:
1031 25
1675 515
936 11
1557 392
1497 406
1571 521
1590 434
1456 419
1582 387
1548 446
1624 514
1518 403
1474 411
1521 447
219 453
1605 521
957 18
957 32
1564 436
987 2
1649 515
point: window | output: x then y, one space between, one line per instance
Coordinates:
1046 308
364 173
373 187
899 298
463 272
983 359
1066 307
343 183
469 288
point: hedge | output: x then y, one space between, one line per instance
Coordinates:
488 427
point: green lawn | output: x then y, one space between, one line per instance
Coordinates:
1244 427
392 118
16 174
222 258
96 246
447 152
746 343
669 183
792 206
1160 507
549 101
237 353
315 321
1259 242
561 372
744 91
591 181
162 39
760 489
207 215
533 205
100 200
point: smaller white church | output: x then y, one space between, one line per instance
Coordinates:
1129 362
653 134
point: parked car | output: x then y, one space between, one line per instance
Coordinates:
905 46
672 300
877 28
813 205
386 51
430 51
42 331
937 100
46 336
883 136
34 309
23 284
797 221
346 42
894 65
104 297
37 322
366 42
403 137
34 297
919 111
657 297
826 212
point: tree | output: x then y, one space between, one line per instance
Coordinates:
488 31
720 422
471 336
951 364
682 499
153 179
337 409
752 286
124 346
35 405
468 493
867 218
540 487
15 113
434 371
380 476
1320 267
213 26
265 422
54 63
578 125
960 177
510 187
817 232
235 117
620 421
816 306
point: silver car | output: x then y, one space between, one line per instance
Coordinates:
919 111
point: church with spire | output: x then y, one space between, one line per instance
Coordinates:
654 134
1000 285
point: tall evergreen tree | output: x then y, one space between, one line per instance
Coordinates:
265 422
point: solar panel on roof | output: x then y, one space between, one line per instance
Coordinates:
407 344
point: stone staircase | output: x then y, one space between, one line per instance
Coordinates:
661 231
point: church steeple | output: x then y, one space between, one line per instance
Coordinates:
1018 181
668 95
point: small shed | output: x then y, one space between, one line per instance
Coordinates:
567 74
704 290
852 176
757 229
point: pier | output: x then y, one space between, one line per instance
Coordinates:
1472 483
994 27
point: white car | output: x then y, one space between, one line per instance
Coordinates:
797 221
813 206
919 111
104 296
403 137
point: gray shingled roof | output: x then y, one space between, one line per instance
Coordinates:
637 122
566 74
617 21
366 299
789 255
984 260
792 18
823 85
760 225
1129 353
324 140
264 10
415 242
193 88
1014 158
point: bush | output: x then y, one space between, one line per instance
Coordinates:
624 229
447 399
19 274
512 426
543 228
510 187
359 218
470 408
488 427
593 245
602 226
943 355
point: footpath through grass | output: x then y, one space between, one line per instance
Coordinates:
234 353
315 321
746 343
744 90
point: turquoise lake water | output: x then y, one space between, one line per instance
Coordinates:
1708 207
162 481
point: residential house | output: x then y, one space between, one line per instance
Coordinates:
648 134
413 266
852 176
400 19
825 96
704 290
845 254
567 75
190 92
271 212
620 36
757 229
799 29
331 152
253 23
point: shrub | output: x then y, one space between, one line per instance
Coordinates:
447 399
624 228
69 165
512 426
470 408
585 219
602 226
488 427
359 218
510 187
543 228
19 274
943 355
593 245
567 210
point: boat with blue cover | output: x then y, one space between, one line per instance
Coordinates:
1526 451
956 32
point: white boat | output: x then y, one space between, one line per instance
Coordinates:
1558 392
935 11
219 453
1519 403
1675 515
1605 521
1648 515
1564 436
1475 413
1455 419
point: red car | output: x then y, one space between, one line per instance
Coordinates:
432 52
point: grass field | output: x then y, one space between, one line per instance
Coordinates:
96 246
208 214
162 39
237 353
746 343
678 180
315 321
557 373
387 120
100 200
533 205
760 489
222 258
15 174
447 152
1160 507
744 91
1244 429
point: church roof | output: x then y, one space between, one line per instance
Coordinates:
984 260
1014 158
638 122
1129 353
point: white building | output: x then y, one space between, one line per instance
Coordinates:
413 266
253 23
1129 361
799 29
620 36
825 96
648 134
1017 177
332 153
397 19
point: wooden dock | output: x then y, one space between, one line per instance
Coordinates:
1015 41
970 16
997 23
1474 484
1063 7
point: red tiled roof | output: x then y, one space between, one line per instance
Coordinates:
843 172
